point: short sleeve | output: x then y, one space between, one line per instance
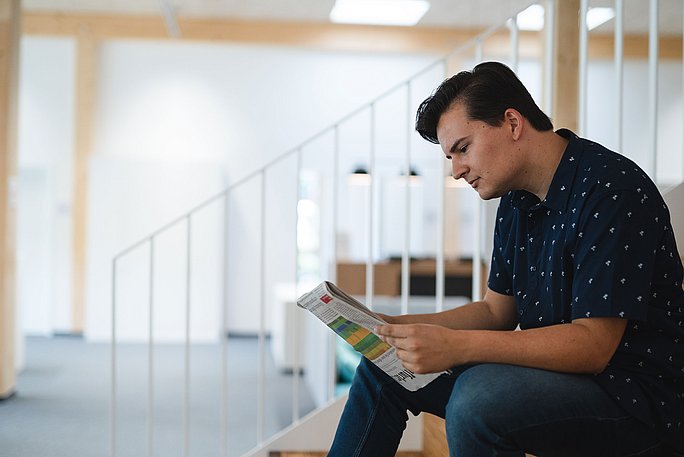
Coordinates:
614 256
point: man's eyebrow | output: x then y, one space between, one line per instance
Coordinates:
456 144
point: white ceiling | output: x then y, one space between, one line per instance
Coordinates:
442 13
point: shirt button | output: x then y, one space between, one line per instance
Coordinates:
533 268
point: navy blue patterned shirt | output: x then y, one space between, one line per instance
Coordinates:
601 245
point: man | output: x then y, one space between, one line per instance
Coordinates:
584 261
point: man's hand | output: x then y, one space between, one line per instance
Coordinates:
389 319
583 346
422 348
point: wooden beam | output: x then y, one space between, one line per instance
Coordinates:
323 36
300 34
9 73
565 64
104 26
634 46
599 46
86 80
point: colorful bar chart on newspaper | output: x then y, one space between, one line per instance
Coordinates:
363 341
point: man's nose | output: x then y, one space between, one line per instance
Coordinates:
458 170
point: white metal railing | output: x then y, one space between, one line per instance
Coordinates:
475 46
260 175
653 85
653 74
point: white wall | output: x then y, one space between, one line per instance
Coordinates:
129 199
45 147
230 108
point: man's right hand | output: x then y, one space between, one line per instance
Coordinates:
389 319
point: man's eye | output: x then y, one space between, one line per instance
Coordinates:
463 148
448 157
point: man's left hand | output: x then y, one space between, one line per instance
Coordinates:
422 348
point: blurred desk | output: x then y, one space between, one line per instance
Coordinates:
351 277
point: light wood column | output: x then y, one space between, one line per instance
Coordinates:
9 75
566 64
86 78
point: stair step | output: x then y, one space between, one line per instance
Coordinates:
322 454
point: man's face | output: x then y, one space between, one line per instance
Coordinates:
481 154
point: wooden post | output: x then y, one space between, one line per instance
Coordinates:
86 75
566 65
9 74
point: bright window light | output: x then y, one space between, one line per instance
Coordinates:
532 18
598 16
379 12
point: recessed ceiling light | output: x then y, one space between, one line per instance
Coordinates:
598 16
532 18
379 12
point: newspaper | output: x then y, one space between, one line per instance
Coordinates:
351 320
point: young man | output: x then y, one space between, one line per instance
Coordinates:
584 261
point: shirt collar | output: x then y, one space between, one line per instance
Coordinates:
561 185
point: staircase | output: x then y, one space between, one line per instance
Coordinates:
322 454
434 442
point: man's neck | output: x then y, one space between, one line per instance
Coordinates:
545 153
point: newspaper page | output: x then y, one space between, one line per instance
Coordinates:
351 320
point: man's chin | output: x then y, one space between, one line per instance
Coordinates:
488 195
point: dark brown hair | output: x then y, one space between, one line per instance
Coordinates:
486 93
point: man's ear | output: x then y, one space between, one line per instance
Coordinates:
515 121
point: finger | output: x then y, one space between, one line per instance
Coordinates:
391 340
385 317
401 344
390 330
406 361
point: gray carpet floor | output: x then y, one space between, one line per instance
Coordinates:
62 404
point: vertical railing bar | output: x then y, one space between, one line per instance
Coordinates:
188 291
550 41
332 338
150 405
440 274
477 242
619 71
112 425
371 198
261 381
335 196
439 258
653 85
405 255
295 321
583 63
515 43
441 232
224 332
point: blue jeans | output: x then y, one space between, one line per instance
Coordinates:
492 410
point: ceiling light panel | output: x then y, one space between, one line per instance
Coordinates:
379 12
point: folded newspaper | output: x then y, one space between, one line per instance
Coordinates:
351 320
